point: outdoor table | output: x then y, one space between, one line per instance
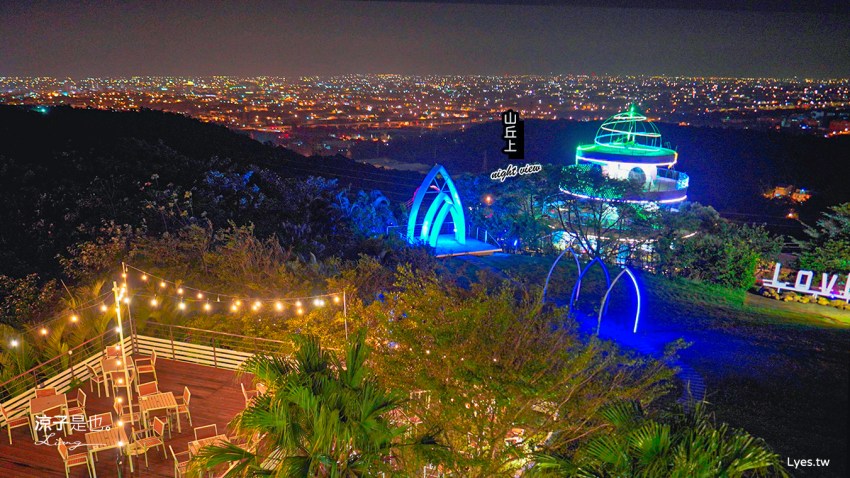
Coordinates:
196 445
106 440
157 401
39 405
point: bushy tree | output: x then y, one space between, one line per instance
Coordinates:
828 246
495 373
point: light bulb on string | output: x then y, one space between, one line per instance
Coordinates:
180 290
298 303
126 300
278 306
154 302
123 275
103 308
14 343
74 318
300 311
181 305
144 277
256 306
207 307
218 299
336 299
200 295
162 284
234 308
43 331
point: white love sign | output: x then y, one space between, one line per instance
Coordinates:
828 286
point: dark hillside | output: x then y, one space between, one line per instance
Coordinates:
66 173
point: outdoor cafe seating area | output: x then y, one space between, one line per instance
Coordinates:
174 409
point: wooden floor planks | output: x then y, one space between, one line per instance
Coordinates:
216 398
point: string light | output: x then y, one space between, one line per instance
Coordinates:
278 306
200 295
300 311
207 307
14 343
180 290
126 300
162 284
43 331
74 318
234 307
298 304
154 303
182 305
336 299
104 308
144 277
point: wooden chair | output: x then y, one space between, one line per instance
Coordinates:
206 431
148 388
125 413
144 440
15 422
248 394
147 365
45 392
101 421
71 461
77 406
96 378
183 405
117 380
181 462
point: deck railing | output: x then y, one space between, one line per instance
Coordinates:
185 344
62 372
204 347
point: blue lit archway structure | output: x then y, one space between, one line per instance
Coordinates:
605 300
577 287
445 201
552 269
610 286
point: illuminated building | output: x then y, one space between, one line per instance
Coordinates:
628 147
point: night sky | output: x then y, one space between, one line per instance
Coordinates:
319 37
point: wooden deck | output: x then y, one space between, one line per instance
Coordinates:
216 398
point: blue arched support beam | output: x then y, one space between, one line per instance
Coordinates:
446 202
577 287
604 306
551 269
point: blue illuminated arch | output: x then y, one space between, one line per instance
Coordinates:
446 201
577 288
605 300
551 269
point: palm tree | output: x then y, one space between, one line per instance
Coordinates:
686 444
319 418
